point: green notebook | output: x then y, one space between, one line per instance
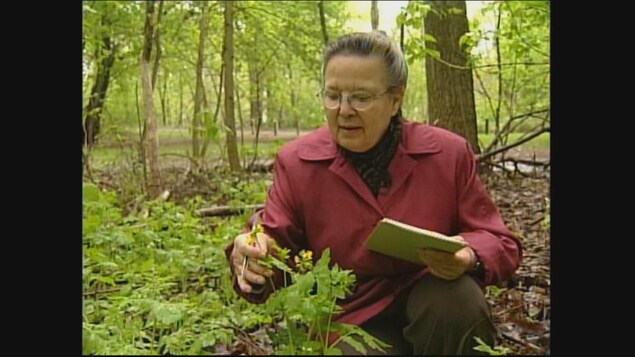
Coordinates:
401 240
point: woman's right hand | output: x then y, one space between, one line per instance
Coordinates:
255 274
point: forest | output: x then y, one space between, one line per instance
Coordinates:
185 104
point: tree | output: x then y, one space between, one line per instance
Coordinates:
197 123
154 184
449 80
374 15
228 60
325 35
105 53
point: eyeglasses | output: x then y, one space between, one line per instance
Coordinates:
357 101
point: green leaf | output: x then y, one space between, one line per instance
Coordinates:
432 53
91 192
333 351
167 314
106 280
358 346
429 38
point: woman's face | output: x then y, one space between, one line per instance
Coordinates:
365 78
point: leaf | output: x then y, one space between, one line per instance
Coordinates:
106 280
91 192
432 53
358 346
429 38
333 351
167 314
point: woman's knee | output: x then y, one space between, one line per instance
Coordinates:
460 299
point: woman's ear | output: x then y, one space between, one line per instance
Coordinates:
397 100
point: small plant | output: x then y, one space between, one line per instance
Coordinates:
496 351
546 222
306 307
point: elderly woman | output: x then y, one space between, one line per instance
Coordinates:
332 186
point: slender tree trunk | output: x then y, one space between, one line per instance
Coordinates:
228 60
500 72
374 15
219 94
450 89
154 184
180 98
166 112
106 59
142 136
254 110
269 111
240 116
162 95
325 35
157 45
197 123
294 115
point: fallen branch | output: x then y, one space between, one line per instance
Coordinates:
537 220
544 164
228 210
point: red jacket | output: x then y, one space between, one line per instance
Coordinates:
318 201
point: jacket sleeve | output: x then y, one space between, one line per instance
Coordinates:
481 224
280 220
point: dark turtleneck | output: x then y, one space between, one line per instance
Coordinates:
372 165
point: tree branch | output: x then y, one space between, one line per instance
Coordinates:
487 155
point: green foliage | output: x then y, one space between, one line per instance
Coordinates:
152 284
158 282
308 305
496 351
524 74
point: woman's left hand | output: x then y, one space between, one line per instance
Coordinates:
449 266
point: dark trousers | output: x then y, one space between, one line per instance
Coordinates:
433 317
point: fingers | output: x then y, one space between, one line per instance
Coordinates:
251 273
436 257
441 264
444 273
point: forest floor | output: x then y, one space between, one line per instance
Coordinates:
521 308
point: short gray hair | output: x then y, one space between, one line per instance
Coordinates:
366 44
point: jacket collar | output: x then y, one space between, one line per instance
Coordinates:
416 138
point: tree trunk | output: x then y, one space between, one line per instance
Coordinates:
157 45
269 109
180 98
228 60
374 15
450 89
254 104
240 116
162 99
92 122
294 113
152 140
197 123
325 35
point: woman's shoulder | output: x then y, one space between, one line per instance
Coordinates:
313 146
422 137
